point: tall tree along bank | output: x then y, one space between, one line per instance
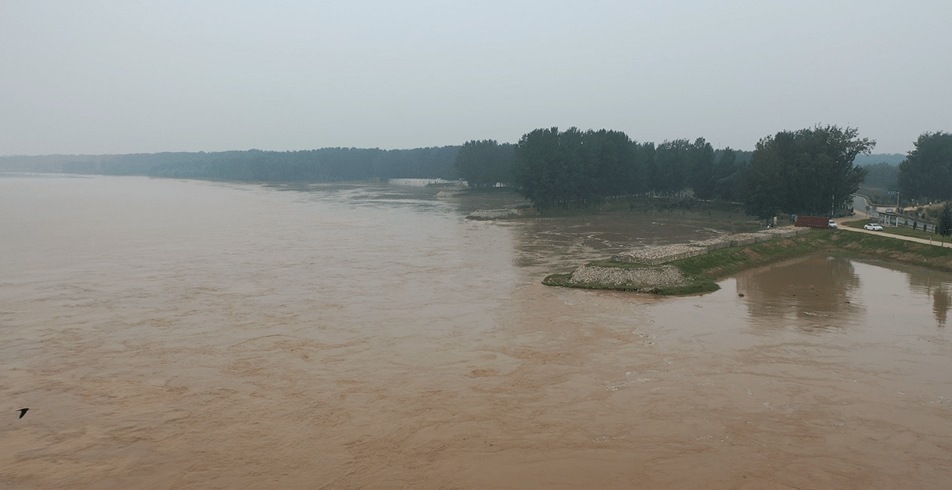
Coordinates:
486 163
926 173
808 172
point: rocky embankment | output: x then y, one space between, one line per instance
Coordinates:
640 278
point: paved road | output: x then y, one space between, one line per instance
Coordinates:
859 204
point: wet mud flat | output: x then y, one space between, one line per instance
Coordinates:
192 354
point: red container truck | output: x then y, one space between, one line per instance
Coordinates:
814 222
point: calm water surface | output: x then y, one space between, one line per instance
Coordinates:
183 334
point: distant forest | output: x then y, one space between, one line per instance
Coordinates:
324 165
883 170
891 159
665 168
882 176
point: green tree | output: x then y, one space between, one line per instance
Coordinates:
669 175
760 186
539 171
610 161
638 174
809 171
927 171
945 220
726 175
485 163
701 165
573 167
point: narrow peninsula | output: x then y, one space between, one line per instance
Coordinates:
695 267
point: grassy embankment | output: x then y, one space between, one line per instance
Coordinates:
702 271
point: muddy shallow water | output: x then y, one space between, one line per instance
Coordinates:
178 334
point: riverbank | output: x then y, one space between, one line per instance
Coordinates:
506 204
699 273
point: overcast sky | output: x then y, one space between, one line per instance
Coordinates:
99 77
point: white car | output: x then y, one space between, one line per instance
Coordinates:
832 224
873 227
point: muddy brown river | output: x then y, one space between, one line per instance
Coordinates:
174 334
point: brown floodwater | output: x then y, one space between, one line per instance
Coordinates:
180 334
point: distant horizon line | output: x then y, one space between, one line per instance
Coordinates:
291 151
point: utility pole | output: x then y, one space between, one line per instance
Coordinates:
897 208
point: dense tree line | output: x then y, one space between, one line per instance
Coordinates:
571 168
327 164
926 173
486 163
810 171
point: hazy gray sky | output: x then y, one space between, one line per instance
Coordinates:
126 76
